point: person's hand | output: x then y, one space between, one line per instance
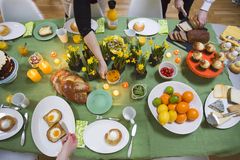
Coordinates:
102 69
202 18
179 6
69 144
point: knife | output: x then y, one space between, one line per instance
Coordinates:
64 126
23 137
133 133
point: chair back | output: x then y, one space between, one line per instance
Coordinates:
19 11
145 8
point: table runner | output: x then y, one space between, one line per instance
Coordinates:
151 140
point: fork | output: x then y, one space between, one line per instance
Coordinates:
109 118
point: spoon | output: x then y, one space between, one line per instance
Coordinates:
15 107
129 113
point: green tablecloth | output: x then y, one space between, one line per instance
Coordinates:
152 140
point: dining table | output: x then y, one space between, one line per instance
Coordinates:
151 140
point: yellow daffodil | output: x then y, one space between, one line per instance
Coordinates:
120 54
128 61
142 40
92 72
166 45
112 58
84 69
133 60
90 60
126 55
150 42
140 67
156 46
139 52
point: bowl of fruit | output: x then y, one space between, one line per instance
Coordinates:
176 106
167 70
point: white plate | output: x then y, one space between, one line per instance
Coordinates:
39 127
151 26
18 125
16 30
94 25
210 99
186 127
94 133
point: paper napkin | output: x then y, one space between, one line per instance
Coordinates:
29 29
101 25
80 126
163 26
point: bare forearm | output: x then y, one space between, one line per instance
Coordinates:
92 43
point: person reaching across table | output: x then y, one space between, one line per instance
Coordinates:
82 14
184 7
69 145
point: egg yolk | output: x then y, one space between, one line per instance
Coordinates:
50 118
56 133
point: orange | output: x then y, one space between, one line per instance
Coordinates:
179 96
182 107
165 98
181 118
172 106
192 114
177 60
187 96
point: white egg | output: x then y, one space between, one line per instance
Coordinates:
53 116
235 53
55 133
6 123
228 45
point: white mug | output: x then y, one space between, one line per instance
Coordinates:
62 35
19 99
129 113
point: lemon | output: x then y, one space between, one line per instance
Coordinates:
9 99
172 116
163 117
161 108
3 45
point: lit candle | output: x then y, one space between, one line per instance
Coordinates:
53 54
45 67
116 93
56 61
34 75
125 84
105 86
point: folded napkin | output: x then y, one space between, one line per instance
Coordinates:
80 126
163 26
29 29
101 25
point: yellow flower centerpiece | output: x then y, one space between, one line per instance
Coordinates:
73 58
91 68
157 53
140 68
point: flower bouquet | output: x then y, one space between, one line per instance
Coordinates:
140 69
120 59
157 53
136 49
91 68
73 58
105 52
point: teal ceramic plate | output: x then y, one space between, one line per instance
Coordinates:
99 102
45 38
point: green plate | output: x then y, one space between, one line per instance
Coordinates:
45 38
99 102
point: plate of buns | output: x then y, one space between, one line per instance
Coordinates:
51 120
11 30
144 26
71 26
111 136
11 122
45 31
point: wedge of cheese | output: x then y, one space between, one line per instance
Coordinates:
220 91
235 95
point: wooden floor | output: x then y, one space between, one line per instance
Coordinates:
222 11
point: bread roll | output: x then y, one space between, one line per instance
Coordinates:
138 26
4 30
113 136
74 27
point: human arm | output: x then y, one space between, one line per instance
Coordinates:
69 145
82 15
179 5
202 15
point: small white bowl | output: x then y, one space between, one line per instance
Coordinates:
169 65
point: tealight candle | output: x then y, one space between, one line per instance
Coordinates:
45 67
168 55
56 61
53 54
116 93
176 52
125 84
34 75
105 86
